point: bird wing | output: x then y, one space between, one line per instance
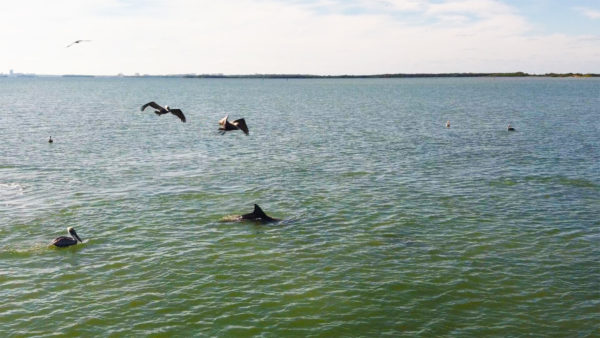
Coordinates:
223 121
76 41
241 123
178 113
63 241
153 105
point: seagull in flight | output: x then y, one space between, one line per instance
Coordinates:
160 110
76 41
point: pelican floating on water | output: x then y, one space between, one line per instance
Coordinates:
50 140
64 241
225 125
510 128
160 110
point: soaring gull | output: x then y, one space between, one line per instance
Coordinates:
76 41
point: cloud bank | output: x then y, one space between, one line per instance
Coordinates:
270 36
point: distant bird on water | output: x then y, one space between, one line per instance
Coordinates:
50 140
77 41
510 128
225 125
448 124
64 241
160 110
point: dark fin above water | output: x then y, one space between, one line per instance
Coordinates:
258 215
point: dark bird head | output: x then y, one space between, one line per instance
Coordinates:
74 234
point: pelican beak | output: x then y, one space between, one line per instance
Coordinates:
77 236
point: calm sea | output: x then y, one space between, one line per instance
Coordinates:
392 224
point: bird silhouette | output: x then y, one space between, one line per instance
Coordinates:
76 41
160 110
225 125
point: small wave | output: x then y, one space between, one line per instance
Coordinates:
230 218
11 188
355 173
23 252
562 180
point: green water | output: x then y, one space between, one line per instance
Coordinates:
392 224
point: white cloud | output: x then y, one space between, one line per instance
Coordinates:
269 36
588 12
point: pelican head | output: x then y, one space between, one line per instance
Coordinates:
167 108
74 234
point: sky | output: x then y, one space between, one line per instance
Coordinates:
321 37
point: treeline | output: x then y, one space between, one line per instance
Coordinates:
384 76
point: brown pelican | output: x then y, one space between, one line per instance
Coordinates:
64 241
160 110
50 140
225 125
510 128
76 41
448 124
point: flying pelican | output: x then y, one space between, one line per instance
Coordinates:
64 241
76 41
160 110
225 125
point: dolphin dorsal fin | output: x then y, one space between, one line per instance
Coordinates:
258 211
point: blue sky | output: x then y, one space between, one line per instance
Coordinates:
299 36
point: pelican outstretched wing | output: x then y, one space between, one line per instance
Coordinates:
153 105
241 123
178 113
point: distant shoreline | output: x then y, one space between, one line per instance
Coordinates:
310 76
389 76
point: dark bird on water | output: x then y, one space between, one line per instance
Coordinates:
160 110
225 125
510 128
50 140
76 41
64 241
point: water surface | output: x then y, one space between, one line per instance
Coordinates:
393 224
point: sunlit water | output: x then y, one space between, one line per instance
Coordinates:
393 224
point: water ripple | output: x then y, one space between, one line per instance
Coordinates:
393 225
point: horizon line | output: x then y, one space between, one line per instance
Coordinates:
315 76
